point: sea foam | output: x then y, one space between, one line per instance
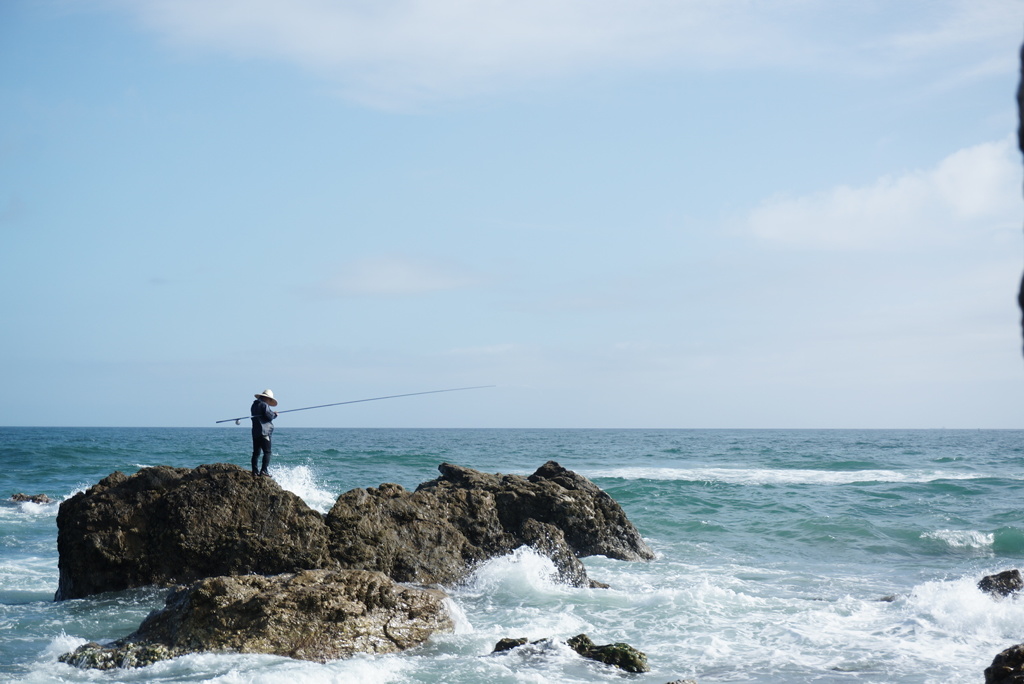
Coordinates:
522 571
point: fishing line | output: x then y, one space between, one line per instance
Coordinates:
357 401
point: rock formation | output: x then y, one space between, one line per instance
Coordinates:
315 615
439 532
166 526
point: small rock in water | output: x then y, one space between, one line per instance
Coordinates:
620 655
507 644
31 498
1003 583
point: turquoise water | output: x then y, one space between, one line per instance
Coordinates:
774 548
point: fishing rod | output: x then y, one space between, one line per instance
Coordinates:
357 401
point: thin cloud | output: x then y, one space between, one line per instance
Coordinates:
976 188
394 51
396 276
960 22
503 349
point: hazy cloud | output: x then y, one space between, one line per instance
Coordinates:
396 276
974 189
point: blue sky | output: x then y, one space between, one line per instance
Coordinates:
692 214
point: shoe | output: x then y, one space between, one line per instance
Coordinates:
264 473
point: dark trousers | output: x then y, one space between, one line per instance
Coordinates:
260 444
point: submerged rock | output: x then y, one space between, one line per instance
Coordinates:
316 615
439 532
168 526
1003 583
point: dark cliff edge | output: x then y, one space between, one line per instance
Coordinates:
1008 665
1020 146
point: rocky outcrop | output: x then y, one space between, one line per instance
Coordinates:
620 655
1002 584
168 526
317 615
439 532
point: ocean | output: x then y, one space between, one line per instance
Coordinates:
783 556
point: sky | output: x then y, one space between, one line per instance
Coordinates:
619 213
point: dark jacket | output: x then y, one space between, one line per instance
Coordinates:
262 418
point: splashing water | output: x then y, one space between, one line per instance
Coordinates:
302 481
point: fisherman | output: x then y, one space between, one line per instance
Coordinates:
262 428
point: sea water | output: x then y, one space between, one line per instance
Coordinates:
782 555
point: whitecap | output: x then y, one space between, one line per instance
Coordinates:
962 539
768 476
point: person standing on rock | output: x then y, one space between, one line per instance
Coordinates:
262 427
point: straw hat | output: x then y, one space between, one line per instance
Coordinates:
267 396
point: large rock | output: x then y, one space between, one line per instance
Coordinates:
314 615
168 525
438 533
1007 667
